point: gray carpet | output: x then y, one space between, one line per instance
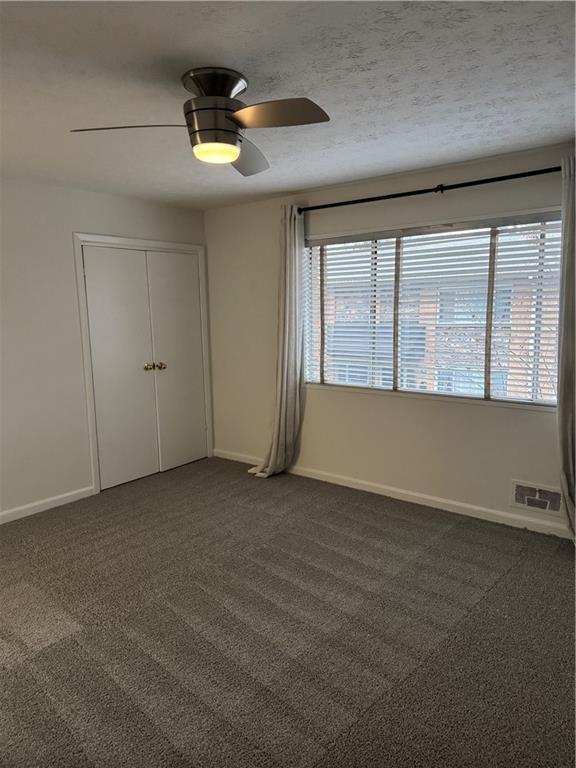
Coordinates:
209 619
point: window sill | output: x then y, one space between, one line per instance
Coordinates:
463 400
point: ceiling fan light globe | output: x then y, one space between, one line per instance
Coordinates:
216 152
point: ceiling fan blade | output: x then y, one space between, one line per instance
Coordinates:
124 127
251 160
275 114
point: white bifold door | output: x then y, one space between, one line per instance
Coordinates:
145 327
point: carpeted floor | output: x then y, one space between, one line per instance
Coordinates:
208 619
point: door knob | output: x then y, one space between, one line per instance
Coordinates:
161 366
149 366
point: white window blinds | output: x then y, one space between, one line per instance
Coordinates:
525 313
470 312
358 288
442 312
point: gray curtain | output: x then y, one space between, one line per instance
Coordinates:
566 357
289 367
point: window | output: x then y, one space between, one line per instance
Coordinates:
469 312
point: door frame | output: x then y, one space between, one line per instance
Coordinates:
127 243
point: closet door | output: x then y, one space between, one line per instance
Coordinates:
121 345
174 282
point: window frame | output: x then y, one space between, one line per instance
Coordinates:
493 223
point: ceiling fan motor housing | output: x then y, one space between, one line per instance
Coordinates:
208 120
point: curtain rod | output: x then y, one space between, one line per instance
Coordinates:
426 191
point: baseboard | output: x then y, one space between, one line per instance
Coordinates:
40 506
243 458
555 527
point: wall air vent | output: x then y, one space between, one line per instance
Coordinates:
535 497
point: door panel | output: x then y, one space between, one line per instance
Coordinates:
174 284
121 343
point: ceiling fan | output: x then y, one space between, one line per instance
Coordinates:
216 119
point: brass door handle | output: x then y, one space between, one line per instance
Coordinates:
149 366
161 366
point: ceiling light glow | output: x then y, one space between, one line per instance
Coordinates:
216 152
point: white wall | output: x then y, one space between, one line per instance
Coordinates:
45 449
459 455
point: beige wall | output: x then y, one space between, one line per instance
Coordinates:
452 453
455 454
45 449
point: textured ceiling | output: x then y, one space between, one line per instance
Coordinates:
407 85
